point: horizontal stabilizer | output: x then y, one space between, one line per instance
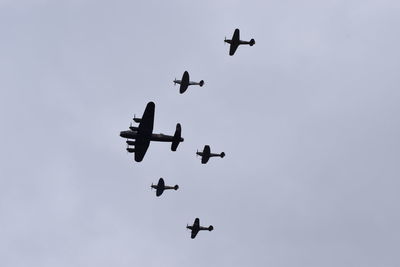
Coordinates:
177 137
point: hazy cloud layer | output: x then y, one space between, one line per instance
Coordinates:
308 119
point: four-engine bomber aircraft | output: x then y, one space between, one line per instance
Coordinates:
196 228
235 42
160 187
143 134
185 82
206 154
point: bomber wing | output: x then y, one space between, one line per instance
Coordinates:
141 146
145 130
147 121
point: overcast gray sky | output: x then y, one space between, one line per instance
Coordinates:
308 119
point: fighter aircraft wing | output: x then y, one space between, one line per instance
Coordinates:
204 159
194 233
233 48
184 82
236 35
145 130
196 223
206 154
195 228
160 187
235 42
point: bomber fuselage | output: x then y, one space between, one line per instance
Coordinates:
153 137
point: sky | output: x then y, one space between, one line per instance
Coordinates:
308 118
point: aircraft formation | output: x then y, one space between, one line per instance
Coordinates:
138 138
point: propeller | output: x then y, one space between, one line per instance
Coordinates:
151 186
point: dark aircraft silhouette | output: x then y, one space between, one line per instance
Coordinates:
206 154
143 134
185 82
160 187
235 42
196 228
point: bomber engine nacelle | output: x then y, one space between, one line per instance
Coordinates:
210 228
137 120
222 154
131 143
252 42
176 187
130 150
201 83
177 137
134 128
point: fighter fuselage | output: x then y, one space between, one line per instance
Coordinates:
237 42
